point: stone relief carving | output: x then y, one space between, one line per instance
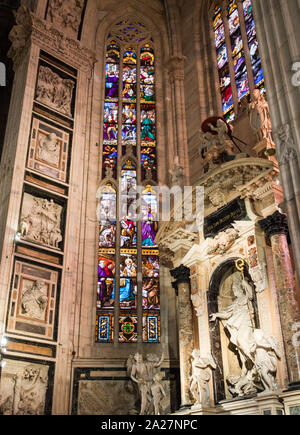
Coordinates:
177 175
201 374
40 221
23 389
148 378
49 149
34 300
285 145
66 15
54 91
257 353
259 115
259 277
223 241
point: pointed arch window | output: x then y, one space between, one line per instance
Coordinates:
238 58
128 297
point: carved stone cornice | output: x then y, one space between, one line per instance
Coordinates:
277 223
32 30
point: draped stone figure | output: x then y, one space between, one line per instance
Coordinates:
259 114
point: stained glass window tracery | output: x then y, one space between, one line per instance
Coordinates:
128 292
239 46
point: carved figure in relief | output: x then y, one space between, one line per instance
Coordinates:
177 175
54 91
259 114
223 241
49 149
34 300
222 131
41 223
201 374
66 15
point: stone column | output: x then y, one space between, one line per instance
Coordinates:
276 228
278 37
186 342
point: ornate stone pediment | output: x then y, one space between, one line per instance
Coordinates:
32 30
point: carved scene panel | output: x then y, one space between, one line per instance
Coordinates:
33 301
48 150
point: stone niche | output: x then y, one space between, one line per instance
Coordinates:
41 221
23 388
48 151
33 301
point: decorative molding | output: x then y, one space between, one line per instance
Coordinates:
32 30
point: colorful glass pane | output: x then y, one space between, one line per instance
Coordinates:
222 56
129 114
254 52
107 236
111 113
232 7
250 29
219 36
129 134
148 157
151 328
147 56
148 112
239 64
236 43
242 86
129 92
147 75
217 17
150 260
111 81
247 6
258 74
107 207
227 99
151 294
106 280
104 327
129 57
233 21
129 74
128 233
224 77
113 53
128 328
147 94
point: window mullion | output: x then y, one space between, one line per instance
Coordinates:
246 47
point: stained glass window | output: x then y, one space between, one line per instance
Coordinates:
128 293
241 43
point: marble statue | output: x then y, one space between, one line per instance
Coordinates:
266 354
258 354
34 300
145 373
40 221
201 374
49 149
259 114
54 91
259 277
222 131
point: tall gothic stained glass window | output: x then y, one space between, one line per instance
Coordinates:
238 59
128 296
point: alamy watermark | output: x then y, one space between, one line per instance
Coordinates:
157 203
2 74
296 76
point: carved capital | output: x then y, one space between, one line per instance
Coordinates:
181 275
275 224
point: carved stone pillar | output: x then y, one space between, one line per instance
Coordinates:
277 30
276 228
182 288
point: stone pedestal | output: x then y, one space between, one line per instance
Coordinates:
276 228
185 320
